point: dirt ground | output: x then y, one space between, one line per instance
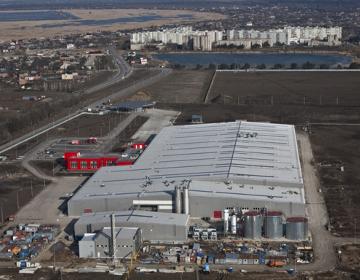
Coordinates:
313 88
17 188
350 258
124 137
89 126
181 87
336 147
47 274
291 114
28 29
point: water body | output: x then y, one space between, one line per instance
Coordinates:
253 59
35 16
92 22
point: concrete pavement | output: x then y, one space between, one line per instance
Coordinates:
45 207
157 120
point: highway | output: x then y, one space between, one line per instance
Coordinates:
124 70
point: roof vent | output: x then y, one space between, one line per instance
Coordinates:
227 182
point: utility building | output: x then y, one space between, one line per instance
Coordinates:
100 244
221 165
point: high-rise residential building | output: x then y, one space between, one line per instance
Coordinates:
204 40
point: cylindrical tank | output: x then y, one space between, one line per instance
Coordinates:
226 220
233 224
297 228
253 223
186 201
177 200
273 224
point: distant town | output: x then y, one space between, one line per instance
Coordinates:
247 39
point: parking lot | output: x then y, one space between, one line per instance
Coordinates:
57 148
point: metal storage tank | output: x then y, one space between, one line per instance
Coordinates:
273 224
233 224
296 228
226 220
253 223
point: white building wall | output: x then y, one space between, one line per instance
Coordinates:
288 35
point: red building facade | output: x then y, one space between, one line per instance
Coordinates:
76 162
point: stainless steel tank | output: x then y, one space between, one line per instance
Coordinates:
297 228
273 224
253 225
226 221
233 224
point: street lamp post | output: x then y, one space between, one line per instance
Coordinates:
17 198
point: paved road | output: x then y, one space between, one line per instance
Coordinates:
163 72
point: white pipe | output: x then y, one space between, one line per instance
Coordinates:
186 201
178 200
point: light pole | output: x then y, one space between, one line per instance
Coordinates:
17 198
31 188
2 213
355 230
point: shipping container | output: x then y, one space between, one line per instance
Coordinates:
138 146
217 214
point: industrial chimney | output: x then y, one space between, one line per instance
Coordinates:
113 236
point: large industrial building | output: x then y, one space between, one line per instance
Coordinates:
243 165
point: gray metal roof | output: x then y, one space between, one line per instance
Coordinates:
122 233
254 154
136 216
89 237
246 191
